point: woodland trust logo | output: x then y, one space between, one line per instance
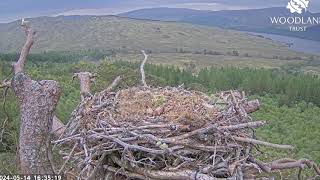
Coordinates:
298 21
297 6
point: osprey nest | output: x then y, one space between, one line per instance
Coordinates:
165 133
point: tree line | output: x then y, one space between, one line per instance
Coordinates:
289 88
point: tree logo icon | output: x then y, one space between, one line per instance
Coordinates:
297 6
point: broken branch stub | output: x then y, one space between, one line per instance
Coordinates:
85 83
19 65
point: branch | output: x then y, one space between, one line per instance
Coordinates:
5 84
143 76
18 66
114 84
286 164
242 126
154 174
254 141
68 158
213 126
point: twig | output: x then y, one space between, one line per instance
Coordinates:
198 131
134 147
124 173
99 164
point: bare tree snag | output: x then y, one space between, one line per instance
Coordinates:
37 102
85 82
143 76
18 66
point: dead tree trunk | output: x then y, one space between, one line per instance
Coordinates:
37 102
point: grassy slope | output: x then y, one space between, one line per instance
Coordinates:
256 20
74 33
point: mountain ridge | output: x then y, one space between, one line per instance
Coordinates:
124 34
256 20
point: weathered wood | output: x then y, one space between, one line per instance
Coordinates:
57 127
143 76
254 141
286 163
252 106
85 82
19 65
37 102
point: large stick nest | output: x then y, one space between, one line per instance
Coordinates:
162 133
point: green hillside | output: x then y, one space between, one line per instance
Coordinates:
255 20
110 33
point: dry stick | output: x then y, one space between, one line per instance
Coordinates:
153 126
124 173
294 164
114 84
134 147
95 170
154 174
213 126
254 141
143 76
195 132
68 159
285 164
184 144
242 126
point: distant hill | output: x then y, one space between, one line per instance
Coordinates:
256 20
76 33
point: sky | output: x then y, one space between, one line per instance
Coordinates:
11 10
